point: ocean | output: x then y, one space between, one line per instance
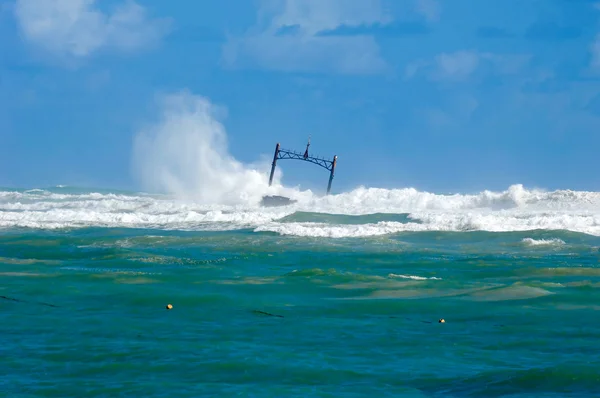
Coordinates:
336 296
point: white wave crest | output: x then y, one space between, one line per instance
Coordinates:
543 242
558 210
413 277
447 221
373 200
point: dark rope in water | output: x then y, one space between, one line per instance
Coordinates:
30 302
266 313
254 311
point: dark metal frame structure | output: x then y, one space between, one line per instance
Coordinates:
288 154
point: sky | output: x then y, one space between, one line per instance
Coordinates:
439 95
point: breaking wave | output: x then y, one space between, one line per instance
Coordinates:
543 242
413 277
184 155
358 213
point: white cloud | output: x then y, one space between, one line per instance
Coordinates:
458 65
349 55
464 64
79 28
304 47
430 9
314 16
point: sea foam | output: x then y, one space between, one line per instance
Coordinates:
516 209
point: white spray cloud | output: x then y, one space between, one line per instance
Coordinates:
79 28
186 154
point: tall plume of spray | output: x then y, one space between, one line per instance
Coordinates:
185 153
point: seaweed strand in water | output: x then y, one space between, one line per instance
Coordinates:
266 313
29 302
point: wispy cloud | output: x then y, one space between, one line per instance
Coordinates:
430 9
595 50
461 65
314 16
456 111
595 47
78 28
458 65
289 37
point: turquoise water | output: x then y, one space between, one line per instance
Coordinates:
521 320
262 308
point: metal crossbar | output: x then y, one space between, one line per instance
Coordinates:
287 154
280 153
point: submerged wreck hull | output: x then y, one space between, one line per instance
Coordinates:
275 200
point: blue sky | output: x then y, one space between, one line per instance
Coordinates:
454 95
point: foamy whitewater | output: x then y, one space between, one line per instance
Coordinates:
362 212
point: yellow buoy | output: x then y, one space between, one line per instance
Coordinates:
169 306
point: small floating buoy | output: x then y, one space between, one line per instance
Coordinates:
169 306
442 320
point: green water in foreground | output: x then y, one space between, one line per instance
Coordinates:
83 313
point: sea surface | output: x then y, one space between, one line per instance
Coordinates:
336 296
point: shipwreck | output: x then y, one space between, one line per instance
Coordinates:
281 154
